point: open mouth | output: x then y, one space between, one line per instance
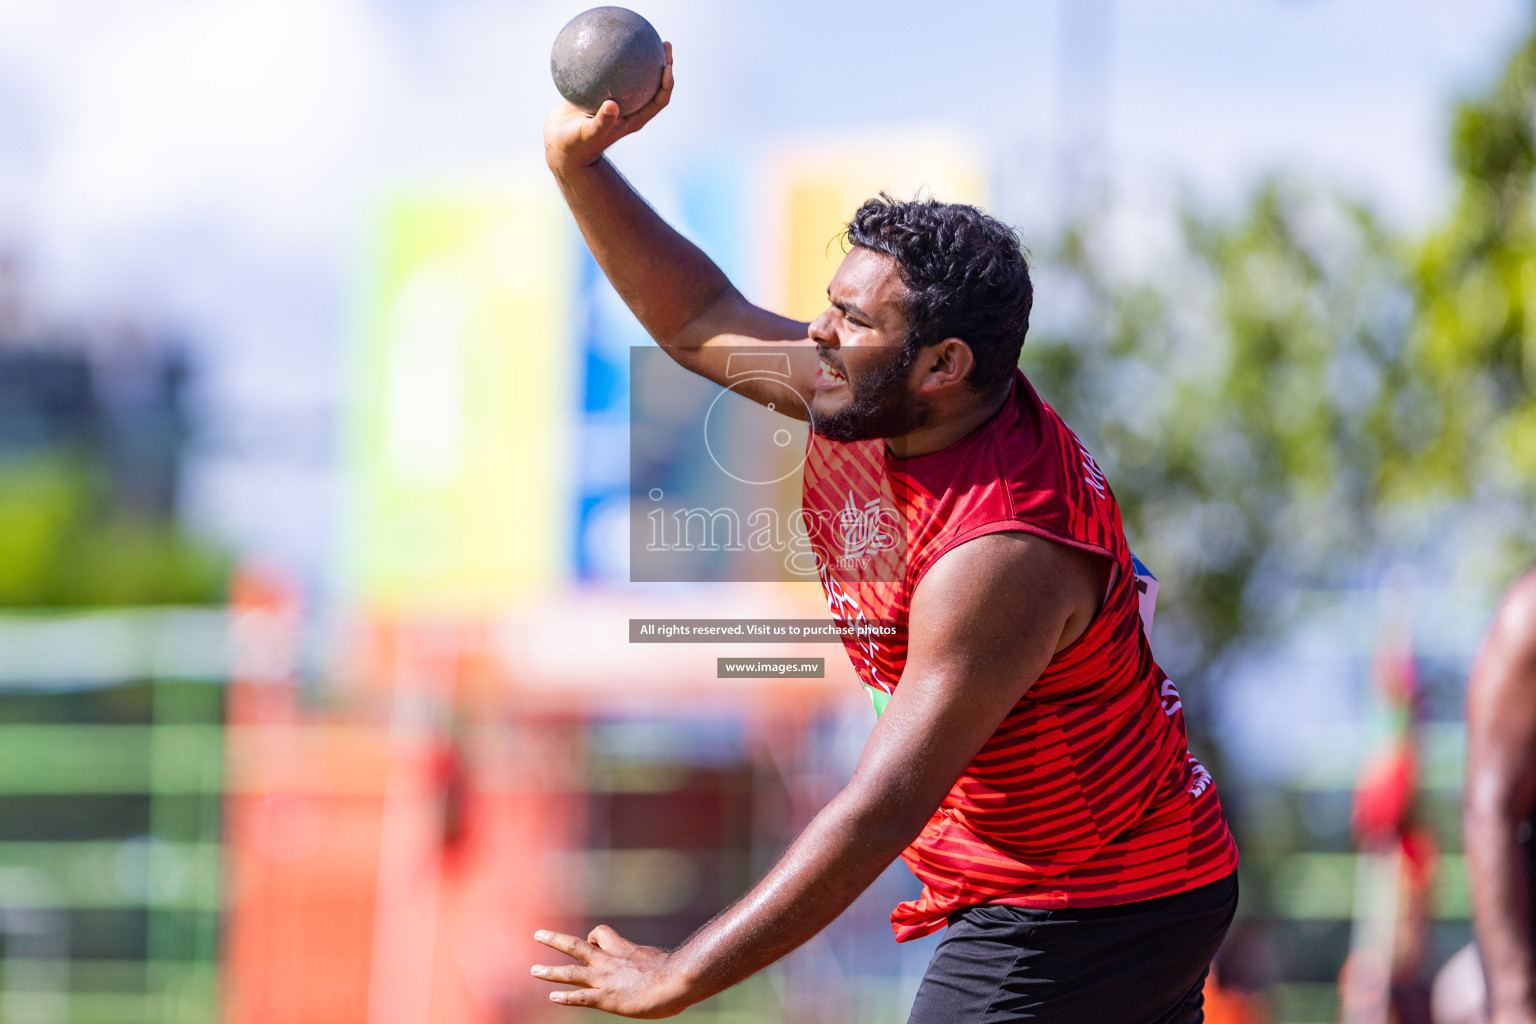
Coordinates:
827 376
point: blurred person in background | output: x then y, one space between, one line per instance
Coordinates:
1392 986
1032 767
1384 979
1500 804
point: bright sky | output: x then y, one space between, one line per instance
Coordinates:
211 163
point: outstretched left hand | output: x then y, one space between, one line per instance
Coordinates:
615 975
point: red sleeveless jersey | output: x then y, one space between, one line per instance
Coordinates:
1087 794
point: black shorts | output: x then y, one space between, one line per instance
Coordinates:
1137 963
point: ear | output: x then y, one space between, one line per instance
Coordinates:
945 364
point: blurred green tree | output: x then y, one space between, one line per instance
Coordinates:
1291 396
1228 391
1465 424
65 543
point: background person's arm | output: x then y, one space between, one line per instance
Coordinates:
676 292
985 621
1500 798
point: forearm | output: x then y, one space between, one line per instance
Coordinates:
949 704
840 853
666 280
1502 906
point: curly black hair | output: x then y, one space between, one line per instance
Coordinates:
966 277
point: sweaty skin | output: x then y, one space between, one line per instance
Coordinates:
1500 799
985 620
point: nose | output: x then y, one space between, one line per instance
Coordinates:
820 330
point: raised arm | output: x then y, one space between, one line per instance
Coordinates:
985 621
1499 803
677 292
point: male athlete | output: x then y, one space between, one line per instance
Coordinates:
1500 805
1029 762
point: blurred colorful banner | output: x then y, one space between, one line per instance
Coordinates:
463 434
710 204
816 195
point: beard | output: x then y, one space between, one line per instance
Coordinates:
881 406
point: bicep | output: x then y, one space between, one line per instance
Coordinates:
985 622
758 354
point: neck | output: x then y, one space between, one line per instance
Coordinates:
947 429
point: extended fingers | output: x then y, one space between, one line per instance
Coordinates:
570 945
570 974
578 997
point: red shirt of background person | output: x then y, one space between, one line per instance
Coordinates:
920 361
1500 803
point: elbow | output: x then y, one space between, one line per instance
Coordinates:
884 820
695 329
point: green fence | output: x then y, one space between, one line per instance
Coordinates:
111 775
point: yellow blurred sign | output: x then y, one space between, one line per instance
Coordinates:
818 188
463 437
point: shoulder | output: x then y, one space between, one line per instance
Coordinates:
1506 662
1006 575
999 554
1501 698
1517 612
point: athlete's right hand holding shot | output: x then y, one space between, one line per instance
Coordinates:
1029 761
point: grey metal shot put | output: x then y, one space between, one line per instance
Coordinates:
608 53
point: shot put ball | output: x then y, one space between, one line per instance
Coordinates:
608 53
